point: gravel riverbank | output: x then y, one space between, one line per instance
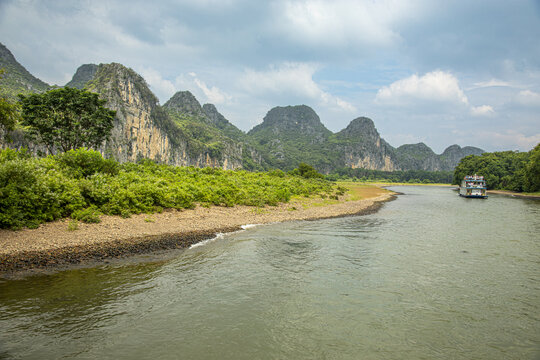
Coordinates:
53 245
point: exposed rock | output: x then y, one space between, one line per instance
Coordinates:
183 132
84 74
142 129
361 146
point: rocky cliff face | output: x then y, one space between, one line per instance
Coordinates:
361 146
183 132
84 74
142 129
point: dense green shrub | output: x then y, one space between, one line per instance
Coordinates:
84 185
83 163
30 194
307 171
88 215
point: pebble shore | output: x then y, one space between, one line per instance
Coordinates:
53 245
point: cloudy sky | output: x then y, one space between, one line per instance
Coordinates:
438 72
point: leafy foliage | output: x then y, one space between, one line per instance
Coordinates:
9 113
83 185
307 171
506 170
408 176
67 118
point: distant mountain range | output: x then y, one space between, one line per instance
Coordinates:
182 132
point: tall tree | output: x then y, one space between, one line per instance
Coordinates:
67 118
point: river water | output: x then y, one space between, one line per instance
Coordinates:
429 276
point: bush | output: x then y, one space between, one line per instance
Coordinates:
88 215
83 163
83 185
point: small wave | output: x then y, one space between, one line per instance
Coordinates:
221 235
204 242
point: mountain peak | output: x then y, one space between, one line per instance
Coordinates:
5 55
16 78
293 118
185 102
416 148
115 77
361 126
83 75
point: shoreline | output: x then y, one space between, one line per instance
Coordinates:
52 246
513 194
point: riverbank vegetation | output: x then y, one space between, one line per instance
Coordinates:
505 170
83 185
408 176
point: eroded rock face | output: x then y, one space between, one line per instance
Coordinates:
362 147
183 132
142 129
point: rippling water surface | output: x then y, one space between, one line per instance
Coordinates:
430 276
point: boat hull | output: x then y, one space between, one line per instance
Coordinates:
475 196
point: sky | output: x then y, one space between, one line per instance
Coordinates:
439 72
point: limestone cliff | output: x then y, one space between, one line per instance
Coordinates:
361 146
143 129
205 126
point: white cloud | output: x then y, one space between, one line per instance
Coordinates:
344 23
492 83
291 80
201 90
434 92
528 98
161 87
510 139
213 94
483 110
436 86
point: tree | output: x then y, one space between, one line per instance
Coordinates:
307 171
9 114
67 118
532 172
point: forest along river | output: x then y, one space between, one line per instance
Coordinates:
429 276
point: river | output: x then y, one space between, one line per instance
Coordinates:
429 276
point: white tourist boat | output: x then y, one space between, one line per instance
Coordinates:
473 186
